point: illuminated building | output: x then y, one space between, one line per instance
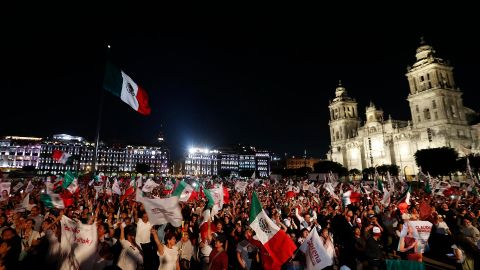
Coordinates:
17 152
227 161
300 162
439 119
201 161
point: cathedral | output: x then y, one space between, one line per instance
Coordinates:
438 119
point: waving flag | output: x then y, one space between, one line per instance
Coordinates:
350 197
161 211
60 156
149 186
184 192
276 242
121 85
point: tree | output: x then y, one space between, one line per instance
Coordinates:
354 173
390 168
368 173
437 161
142 168
327 166
474 163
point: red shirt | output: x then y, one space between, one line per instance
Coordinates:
219 262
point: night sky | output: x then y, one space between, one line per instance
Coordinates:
221 79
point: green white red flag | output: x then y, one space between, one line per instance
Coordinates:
184 192
121 85
276 241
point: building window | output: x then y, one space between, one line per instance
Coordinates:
434 104
416 108
418 117
436 115
426 114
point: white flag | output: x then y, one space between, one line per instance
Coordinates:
149 186
315 253
386 197
116 188
78 243
329 188
241 186
161 211
29 187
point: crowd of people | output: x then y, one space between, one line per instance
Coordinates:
359 233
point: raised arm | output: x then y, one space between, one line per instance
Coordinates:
157 241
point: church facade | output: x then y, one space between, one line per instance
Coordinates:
438 118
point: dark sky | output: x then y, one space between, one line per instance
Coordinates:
219 79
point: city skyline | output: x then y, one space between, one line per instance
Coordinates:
257 82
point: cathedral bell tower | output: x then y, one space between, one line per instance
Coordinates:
344 123
434 98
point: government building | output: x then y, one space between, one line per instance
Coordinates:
438 119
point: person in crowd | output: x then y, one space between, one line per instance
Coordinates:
470 233
409 245
327 242
247 253
143 238
131 255
185 250
168 253
29 237
218 257
359 249
374 250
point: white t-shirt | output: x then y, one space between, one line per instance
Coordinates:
129 257
143 232
168 261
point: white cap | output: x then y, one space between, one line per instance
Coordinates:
376 230
287 222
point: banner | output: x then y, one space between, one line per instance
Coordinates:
5 190
315 254
421 232
17 187
161 211
78 244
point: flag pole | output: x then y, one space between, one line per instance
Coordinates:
99 122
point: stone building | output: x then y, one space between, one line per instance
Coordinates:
438 118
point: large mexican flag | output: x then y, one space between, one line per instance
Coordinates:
121 85
276 241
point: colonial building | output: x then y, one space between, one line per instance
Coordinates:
300 162
17 152
438 119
